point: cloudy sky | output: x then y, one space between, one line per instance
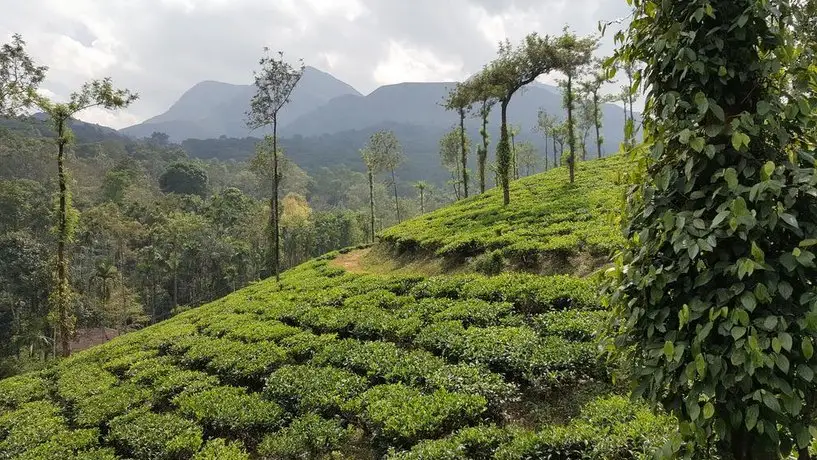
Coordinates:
160 48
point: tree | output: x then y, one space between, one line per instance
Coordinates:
449 157
591 89
545 126
381 153
274 85
513 130
184 178
713 294
19 78
484 96
514 68
459 99
421 187
97 93
526 158
574 53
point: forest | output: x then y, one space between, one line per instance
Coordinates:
655 303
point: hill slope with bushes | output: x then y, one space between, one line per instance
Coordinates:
333 364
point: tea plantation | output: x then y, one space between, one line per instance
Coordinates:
547 215
331 364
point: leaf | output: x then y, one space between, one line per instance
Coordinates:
751 416
738 332
739 139
805 373
771 401
694 411
669 349
717 111
785 290
789 219
776 345
709 410
731 177
782 362
770 322
720 218
697 144
742 20
768 169
785 340
763 108
807 348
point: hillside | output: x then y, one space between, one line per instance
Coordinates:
334 364
550 225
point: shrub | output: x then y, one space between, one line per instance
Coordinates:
21 389
78 381
219 449
380 361
400 415
69 445
472 379
489 263
234 361
474 312
551 442
166 380
34 423
146 435
477 443
571 324
259 331
310 388
308 437
304 345
97 409
230 410
122 364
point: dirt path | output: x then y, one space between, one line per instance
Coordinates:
351 261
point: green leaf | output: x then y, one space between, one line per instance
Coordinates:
776 345
751 416
763 108
697 144
694 411
785 340
700 364
785 290
709 410
669 349
717 111
748 301
770 322
789 219
738 332
739 139
807 348
771 401
731 177
684 136
720 218
742 20
782 362
805 373
768 169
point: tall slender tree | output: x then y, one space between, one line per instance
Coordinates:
274 84
574 54
514 68
459 100
714 293
591 88
545 125
422 186
97 93
484 97
382 153
19 78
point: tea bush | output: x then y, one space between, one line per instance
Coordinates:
231 410
307 437
147 435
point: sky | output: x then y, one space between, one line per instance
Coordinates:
161 48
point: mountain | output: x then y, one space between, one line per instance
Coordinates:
211 109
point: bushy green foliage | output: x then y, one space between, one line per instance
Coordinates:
70 445
401 415
231 410
34 423
477 443
489 263
147 435
21 389
714 289
219 449
95 410
546 215
571 324
307 437
311 388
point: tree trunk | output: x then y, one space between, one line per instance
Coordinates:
597 122
396 202
275 211
62 240
514 162
503 159
464 154
371 201
422 202
555 159
571 136
546 152
484 153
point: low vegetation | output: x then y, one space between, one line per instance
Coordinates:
334 363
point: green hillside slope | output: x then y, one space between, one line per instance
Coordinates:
333 364
548 218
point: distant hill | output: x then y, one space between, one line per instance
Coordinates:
211 109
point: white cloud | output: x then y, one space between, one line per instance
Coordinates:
160 48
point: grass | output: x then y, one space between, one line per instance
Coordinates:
342 361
